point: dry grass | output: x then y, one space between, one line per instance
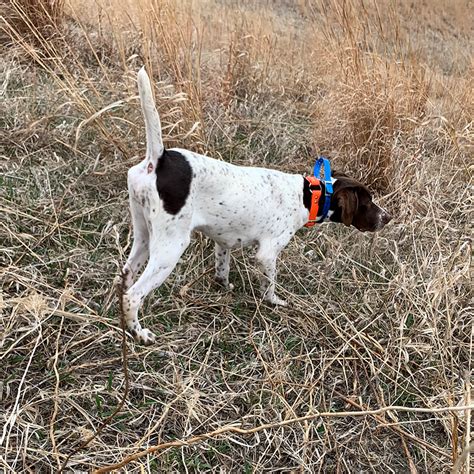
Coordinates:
37 21
374 320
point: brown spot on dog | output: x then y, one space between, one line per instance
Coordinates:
348 201
173 180
352 205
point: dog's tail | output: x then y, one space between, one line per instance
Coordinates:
154 141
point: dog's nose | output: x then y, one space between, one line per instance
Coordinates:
386 217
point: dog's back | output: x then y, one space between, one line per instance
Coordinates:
238 205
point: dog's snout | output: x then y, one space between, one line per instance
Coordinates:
386 217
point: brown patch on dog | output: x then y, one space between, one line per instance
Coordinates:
173 180
352 205
348 201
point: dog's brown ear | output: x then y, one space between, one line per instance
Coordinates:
348 201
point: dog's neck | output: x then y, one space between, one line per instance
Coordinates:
307 199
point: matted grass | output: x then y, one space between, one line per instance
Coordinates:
373 320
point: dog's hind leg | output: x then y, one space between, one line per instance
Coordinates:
165 251
222 265
139 252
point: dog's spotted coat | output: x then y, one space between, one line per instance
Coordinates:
175 192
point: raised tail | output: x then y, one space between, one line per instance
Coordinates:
154 140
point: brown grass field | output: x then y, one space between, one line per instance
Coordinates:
382 87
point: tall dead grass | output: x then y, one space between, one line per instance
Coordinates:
373 321
33 19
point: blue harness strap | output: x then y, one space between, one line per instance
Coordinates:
324 162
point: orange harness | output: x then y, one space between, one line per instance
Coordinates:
315 188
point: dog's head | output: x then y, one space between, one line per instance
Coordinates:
352 205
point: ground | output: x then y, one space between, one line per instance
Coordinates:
384 89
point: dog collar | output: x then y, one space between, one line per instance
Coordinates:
315 188
316 191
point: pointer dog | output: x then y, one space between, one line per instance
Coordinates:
174 192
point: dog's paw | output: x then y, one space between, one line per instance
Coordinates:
276 301
145 337
224 283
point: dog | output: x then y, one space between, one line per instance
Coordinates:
175 192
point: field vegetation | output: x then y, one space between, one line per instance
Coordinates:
382 87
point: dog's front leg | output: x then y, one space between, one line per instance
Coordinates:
266 259
222 266
165 252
